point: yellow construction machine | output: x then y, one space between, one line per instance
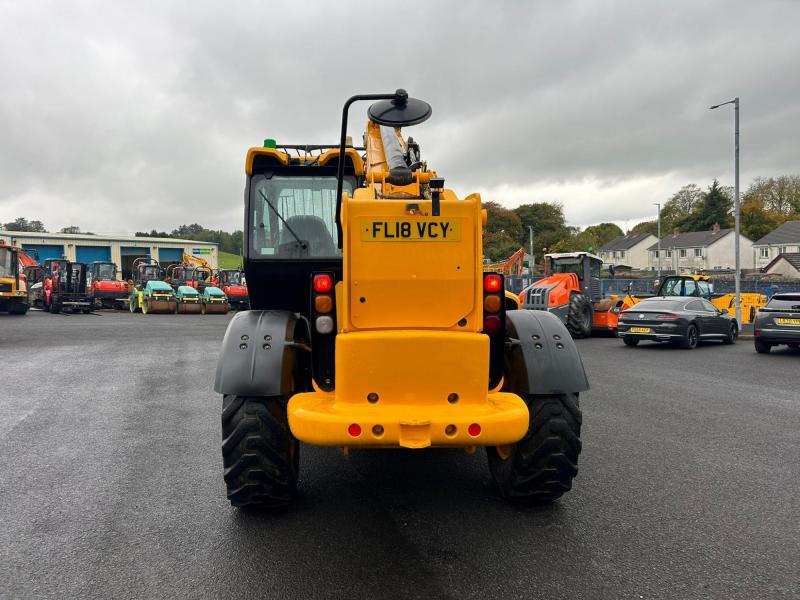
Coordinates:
13 293
374 325
693 284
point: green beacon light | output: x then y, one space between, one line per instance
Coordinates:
270 143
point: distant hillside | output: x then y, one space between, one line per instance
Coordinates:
229 261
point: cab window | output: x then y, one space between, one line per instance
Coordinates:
569 265
294 217
704 289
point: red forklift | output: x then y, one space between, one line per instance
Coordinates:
106 289
232 282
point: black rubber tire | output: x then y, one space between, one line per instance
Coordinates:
689 341
55 307
542 465
259 453
733 334
579 316
762 347
629 340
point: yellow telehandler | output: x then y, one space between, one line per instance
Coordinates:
374 325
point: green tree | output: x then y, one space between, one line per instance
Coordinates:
647 227
74 229
152 233
714 207
501 236
603 233
22 224
680 206
547 221
756 221
776 194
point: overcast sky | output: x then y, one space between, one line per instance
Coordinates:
118 116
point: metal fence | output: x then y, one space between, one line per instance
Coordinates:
608 287
721 286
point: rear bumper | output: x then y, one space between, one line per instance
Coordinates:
410 389
777 336
317 418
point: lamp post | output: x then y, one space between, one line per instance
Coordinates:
738 275
658 252
530 245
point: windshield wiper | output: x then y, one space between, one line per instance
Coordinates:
303 245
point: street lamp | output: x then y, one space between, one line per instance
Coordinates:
738 276
658 252
530 245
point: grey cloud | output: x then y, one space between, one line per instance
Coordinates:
119 116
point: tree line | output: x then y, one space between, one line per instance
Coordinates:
767 204
228 242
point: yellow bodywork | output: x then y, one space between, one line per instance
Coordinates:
412 366
750 302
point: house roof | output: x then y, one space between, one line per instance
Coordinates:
691 239
624 242
789 233
793 258
99 238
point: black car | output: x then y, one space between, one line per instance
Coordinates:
678 319
778 323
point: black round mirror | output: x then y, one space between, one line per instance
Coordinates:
400 111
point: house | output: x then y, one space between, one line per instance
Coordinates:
629 250
787 265
783 240
702 251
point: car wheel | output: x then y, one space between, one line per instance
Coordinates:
630 340
762 347
733 333
689 341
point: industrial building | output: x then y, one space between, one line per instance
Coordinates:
122 250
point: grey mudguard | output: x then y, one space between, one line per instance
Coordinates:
542 357
257 357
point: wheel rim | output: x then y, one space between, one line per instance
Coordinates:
587 317
734 332
692 337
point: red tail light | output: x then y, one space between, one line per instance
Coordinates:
666 317
323 283
492 283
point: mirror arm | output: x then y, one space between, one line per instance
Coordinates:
342 147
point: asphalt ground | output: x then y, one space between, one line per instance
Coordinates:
111 483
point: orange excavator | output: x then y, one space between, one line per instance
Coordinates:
513 265
571 291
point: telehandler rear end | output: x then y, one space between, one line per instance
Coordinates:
374 326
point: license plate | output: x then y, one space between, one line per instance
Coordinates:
640 330
787 321
417 230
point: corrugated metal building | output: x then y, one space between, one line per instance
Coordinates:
122 250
